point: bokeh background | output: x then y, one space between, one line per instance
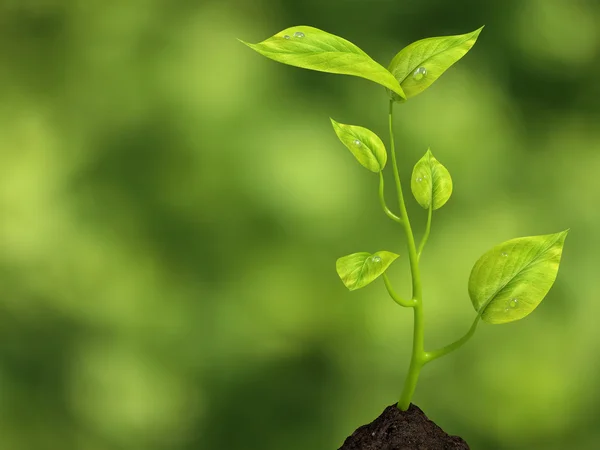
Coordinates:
172 205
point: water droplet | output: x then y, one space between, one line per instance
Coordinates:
504 254
287 36
420 73
299 34
513 303
376 259
419 179
357 142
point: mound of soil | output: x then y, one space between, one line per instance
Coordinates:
402 430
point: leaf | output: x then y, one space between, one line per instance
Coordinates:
508 282
365 145
359 269
418 65
311 48
431 182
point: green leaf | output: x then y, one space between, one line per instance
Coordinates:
311 48
418 65
359 269
431 183
510 280
365 145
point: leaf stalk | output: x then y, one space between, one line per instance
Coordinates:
386 210
427 230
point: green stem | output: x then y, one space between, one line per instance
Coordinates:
418 357
430 356
386 210
427 230
412 251
417 360
396 297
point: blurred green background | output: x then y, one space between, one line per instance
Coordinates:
172 205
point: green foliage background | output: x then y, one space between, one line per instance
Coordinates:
172 206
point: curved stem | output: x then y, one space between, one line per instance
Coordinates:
396 297
412 251
386 210
418 353
430 356
427 230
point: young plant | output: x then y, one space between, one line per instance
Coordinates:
509 281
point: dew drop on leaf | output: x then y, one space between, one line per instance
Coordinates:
513 303
504 254
299 34
376 259
357 142
419 73
419 179
287 36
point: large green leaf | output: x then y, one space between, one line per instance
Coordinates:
359 269
365 145
431 183
509 281
311 48
418 65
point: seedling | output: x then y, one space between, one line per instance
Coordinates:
509 281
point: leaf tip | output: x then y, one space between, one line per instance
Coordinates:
336 127
475 34
252 46
393 256
401 93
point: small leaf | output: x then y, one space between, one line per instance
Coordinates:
431 182
311 48
359 269
418 65
365 145
510 280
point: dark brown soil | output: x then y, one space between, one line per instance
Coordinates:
402 430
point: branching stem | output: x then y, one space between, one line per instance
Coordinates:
419 356
417 359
